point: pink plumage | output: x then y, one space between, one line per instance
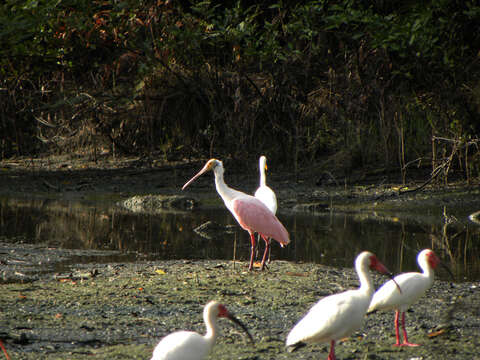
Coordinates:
252 214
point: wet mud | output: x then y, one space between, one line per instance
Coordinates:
116 309
120 311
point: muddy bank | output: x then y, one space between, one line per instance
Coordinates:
80 178
120 311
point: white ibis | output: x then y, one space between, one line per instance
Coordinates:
189 345
337 316
252 215
268 197
413 285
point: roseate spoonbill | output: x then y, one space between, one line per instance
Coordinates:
337 316
268 197
413 285
189 345
252 215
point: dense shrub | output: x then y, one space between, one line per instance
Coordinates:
343 85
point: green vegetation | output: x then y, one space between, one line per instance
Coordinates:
345 85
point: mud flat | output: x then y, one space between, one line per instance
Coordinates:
120 311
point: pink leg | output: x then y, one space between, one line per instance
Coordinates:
397 330
252 250
267 247
405 338
331 354
4 350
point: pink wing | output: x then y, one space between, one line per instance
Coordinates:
254 216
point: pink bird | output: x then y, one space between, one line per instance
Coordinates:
189 345
252 215
337 316
413 285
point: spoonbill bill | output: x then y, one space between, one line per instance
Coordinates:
252 214
413 285
337 316
189 345
268 197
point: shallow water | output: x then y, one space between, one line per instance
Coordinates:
327 238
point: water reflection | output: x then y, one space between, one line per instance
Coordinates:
327 239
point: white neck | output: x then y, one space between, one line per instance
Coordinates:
212 328
427 270
366 283
226 192
263 178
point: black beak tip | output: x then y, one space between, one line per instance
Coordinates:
244 328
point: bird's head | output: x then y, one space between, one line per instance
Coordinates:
263 162
211 164
375 264
220 311
429 258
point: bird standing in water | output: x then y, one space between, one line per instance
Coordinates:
337 316
252 215
268 197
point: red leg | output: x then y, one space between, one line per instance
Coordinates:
4 350
331 354
267 247
397 330
252 250
405 338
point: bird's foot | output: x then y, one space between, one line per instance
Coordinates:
406 344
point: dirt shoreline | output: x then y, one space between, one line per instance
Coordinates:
66 177
120 310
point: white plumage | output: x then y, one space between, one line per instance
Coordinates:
264 193
251 214
413 285
189 345
268 197
337 316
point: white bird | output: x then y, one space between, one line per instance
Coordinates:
268 197
189 345
413 285
337 316
252 215
264 193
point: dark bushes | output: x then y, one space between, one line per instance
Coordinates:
343 85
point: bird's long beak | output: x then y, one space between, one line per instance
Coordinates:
390 275
239 323
208 166
448 270
383 269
